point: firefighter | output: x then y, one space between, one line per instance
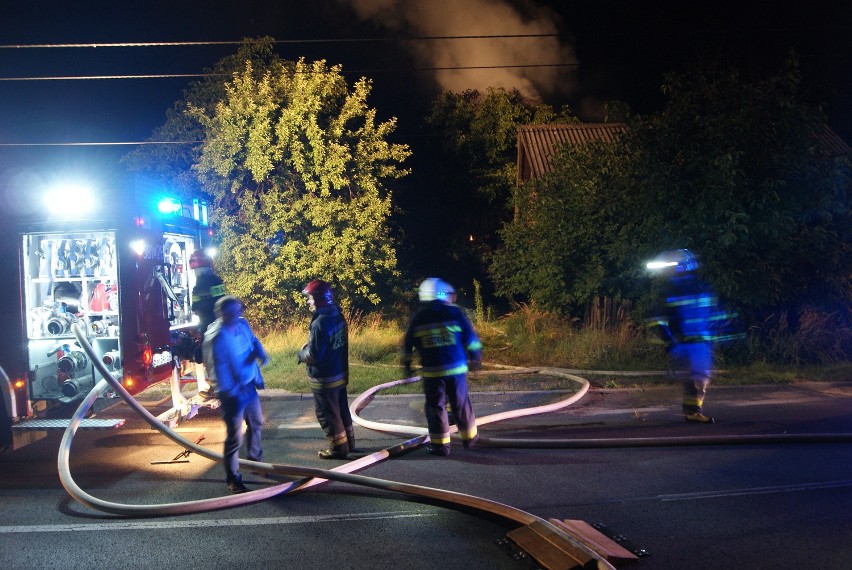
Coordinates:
447 346
684 325
326 358
232 353
207 290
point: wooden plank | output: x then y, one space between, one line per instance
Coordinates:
550 549
597 541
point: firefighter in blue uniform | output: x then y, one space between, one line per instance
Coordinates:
685 324
326 357
445 341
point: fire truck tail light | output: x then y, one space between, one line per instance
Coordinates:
144 352
146 356
19 384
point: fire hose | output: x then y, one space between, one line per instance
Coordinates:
345 473
311 476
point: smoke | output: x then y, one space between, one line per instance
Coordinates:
495 56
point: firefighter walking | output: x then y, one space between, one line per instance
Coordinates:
684 325
445 341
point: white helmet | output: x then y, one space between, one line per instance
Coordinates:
433 289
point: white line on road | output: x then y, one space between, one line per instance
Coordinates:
756 491
169 524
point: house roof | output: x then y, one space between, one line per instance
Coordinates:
830 144
538 143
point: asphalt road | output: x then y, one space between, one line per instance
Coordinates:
728 505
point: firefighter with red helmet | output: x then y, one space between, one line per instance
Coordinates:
326 358
448 346
684 325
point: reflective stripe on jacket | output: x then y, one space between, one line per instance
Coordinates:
443 337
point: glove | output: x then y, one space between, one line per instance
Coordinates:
407 371
475 365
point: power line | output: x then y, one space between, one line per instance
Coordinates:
293 41
102 143
191 75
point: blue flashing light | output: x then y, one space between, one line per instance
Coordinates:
168 206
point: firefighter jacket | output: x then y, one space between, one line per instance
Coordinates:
208 289
231 356
326 354
688 313
444 338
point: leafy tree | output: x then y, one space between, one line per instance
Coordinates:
171 163
731 169
295 162
468 162
567 245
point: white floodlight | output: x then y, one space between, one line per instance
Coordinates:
138 246
69 198
653 265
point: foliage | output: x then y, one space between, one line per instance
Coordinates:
529 336
468 161
296 164
171 163
731 169
569 243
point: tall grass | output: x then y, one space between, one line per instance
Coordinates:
815 338
817 347
374 345
606 339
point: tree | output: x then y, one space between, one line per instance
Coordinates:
295 162
731 168
171 163
467 168
568 244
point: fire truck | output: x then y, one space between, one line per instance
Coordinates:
114 263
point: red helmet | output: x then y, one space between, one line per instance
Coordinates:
199 259
320 291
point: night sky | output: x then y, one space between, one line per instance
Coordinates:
616 49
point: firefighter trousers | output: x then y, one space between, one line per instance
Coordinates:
438 392
696 360
332 409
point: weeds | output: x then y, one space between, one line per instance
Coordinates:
815 347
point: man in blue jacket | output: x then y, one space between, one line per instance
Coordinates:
231 355
445 340
326 357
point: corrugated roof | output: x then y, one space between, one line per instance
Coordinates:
538 143
831 145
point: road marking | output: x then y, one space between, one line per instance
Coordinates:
756 491
314 425
167 524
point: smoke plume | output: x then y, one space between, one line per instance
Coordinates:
496 56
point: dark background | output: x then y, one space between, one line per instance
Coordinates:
605 50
